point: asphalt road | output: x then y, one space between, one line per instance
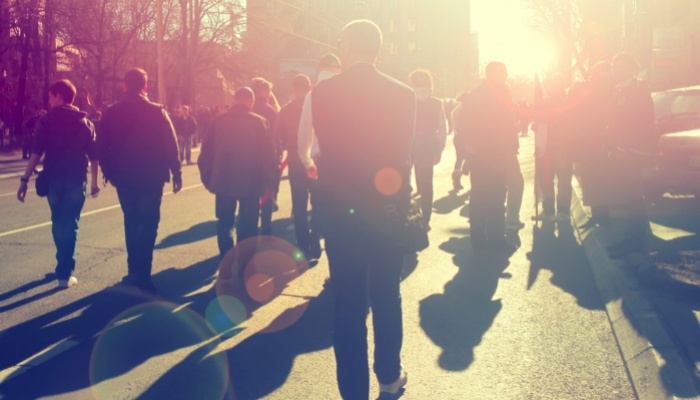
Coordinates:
530 327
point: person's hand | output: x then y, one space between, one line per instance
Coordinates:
22 191
177 185
312 172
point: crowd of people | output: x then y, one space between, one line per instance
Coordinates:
353 137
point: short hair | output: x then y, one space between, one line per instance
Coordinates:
363 36
65 88
260 85
301 83
135 79
421 78
244 94
495 67
330 60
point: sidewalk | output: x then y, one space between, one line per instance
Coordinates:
654 309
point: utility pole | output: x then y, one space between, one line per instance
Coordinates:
160 33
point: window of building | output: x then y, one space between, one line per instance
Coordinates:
411 46
392 28
392 49
411 25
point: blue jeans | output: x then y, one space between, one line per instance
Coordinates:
365 269
66 198
247 226
141 207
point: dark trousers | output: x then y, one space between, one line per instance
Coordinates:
560 166
247 226
636 218
302 188
185 147
487 200
66 198
515 189
266 210
364 267
424 184
141 207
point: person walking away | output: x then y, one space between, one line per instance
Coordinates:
364 121
138 148
287 130
66 140
492 143
239 164
262 89
429 140
460 127
631 140
557 160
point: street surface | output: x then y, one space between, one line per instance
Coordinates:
530 327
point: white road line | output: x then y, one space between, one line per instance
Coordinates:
37 359
11 175
85 214
15 193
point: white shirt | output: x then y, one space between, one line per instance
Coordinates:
306 141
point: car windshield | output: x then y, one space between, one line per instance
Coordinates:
676 104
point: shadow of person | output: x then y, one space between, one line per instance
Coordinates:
195 233
555 248
48 278
450 202
457 319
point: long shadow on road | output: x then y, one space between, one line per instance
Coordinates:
457 319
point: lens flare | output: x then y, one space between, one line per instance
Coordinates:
224 314
388 181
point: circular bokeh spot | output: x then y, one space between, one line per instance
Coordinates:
172 344
224 314
388 181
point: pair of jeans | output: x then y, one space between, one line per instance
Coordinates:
66 198
185 147
247 227
364 266
424 184
302 187
557 164
489 179
141 208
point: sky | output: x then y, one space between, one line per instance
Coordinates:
505 34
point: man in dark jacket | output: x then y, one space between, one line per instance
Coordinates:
287 131
138 145
364 121
493 141
67 138
239 165
185 132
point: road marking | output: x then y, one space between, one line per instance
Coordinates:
37 359
15 193
85 214
11 175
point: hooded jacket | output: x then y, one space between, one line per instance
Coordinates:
67 138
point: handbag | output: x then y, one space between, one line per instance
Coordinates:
406 227
42 183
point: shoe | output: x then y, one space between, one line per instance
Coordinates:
396 386
141 284
67 283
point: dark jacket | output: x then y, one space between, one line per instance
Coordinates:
137 144
429 140
364 121
287 128
238 158
67 138
631 123
493 133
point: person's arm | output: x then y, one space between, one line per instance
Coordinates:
24 180
441 133
91 152
305 138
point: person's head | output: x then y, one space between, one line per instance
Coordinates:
185 111
261 87
136 80
301 85
329 62
244 97
422 83
624 67
61 92
360 41
496 73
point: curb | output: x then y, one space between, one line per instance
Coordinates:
654 363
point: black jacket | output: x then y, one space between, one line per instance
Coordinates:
238 158
136 143
67 138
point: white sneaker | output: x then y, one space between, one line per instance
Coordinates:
396 386
67 283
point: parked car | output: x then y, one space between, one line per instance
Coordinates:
677 163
